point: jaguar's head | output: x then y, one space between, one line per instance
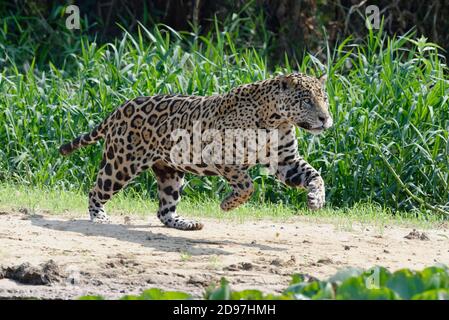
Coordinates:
303 102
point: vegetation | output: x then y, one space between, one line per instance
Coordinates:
377 283
289 26
36 201
388 97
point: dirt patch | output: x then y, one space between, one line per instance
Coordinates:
202 281
416 235
47 256
325 261
44 274
284 263
239 266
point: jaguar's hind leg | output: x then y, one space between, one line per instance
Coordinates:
111 178
170 183
96 207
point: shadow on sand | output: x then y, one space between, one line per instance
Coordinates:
156 240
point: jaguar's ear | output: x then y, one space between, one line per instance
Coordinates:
323 79
286 82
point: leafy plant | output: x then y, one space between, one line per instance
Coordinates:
377 283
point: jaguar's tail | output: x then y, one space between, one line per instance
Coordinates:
96 134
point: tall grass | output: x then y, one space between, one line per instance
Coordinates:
388 96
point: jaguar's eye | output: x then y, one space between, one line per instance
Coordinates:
307 100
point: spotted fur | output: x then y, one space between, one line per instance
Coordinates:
137 138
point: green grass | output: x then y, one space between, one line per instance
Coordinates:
74 204
388 96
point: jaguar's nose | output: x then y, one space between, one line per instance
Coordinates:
326 121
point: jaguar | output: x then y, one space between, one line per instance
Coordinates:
138 136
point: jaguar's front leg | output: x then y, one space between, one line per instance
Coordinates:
241 184
299 173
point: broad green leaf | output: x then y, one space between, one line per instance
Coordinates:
376 277
344 274
435 277
310 290
247 295
91 298
131 297
221 293
158 294
175 295
355 289
436 294
297 278
152 294
406 283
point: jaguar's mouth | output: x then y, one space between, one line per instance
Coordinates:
306 126
315 130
